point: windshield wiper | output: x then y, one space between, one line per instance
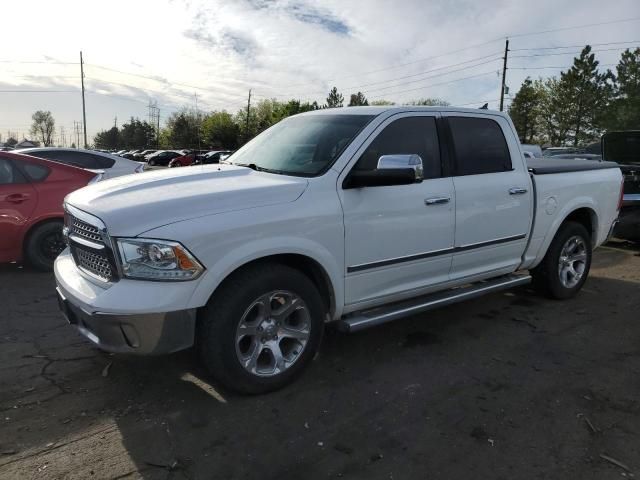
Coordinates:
255 167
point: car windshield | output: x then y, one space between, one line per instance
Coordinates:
304 145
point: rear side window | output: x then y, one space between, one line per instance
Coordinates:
409 135
479 146
77 159
9 174
36 172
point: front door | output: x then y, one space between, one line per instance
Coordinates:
398 239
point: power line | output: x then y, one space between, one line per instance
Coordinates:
558 67
561 29
574 46
565 53
38 91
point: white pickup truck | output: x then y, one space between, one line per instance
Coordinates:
357 216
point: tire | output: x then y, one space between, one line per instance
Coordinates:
553 276
175 164
233 309
152 163
43 245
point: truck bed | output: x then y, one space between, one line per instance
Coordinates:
545 166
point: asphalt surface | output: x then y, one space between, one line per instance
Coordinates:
508 386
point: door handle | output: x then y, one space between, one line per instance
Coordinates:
16 198
517 191
436 200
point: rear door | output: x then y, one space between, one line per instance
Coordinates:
18 200
493 195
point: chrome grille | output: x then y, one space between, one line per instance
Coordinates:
93 263
84 230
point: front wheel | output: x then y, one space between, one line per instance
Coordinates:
261 329
565 267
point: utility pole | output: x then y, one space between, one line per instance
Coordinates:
158 132
248 112
504 73
84 113
115 122
197 120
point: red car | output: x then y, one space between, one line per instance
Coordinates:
32 191
183 160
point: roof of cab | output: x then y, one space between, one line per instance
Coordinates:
373 110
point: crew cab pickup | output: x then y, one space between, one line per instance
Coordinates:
357 216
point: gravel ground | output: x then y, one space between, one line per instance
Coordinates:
507 386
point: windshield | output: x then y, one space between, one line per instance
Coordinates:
304 145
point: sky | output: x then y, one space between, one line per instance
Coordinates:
179 53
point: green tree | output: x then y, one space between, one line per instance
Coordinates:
11 142
358 99
43 127
554 112
185 127
108 139
334 99
382 103
220 131
588 92
624 113
137 134
525 110
429 102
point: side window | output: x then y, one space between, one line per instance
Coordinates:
36 172
479 145
76 159
9 174
409 135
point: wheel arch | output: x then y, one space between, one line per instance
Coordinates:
313 264
33 227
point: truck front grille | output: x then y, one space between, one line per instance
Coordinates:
84 230
90 246
93 263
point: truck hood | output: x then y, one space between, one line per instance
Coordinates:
133 204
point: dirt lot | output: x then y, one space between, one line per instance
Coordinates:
507 386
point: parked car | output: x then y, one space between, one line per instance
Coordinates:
215 156
553 151
185 160
577 156
129 155
111 165
162 158
534 150
140 156
624 147
120 152
357 216
31 195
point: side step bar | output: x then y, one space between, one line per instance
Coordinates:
387 313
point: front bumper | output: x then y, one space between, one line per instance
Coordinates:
125 317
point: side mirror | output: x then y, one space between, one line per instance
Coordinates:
397 169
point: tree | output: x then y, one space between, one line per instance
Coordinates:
108 139
220 131
624 113
382 103
525 110
358 99
185 127
589 93
554 112
11 142
137 134
429 102
43 127
334 99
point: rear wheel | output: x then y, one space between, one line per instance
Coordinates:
565 267
261 329
44 244
175 164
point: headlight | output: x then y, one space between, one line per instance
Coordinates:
150 259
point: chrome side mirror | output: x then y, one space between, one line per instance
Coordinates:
399 161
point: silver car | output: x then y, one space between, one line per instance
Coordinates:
110 165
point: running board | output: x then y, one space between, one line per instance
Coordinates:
387 313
